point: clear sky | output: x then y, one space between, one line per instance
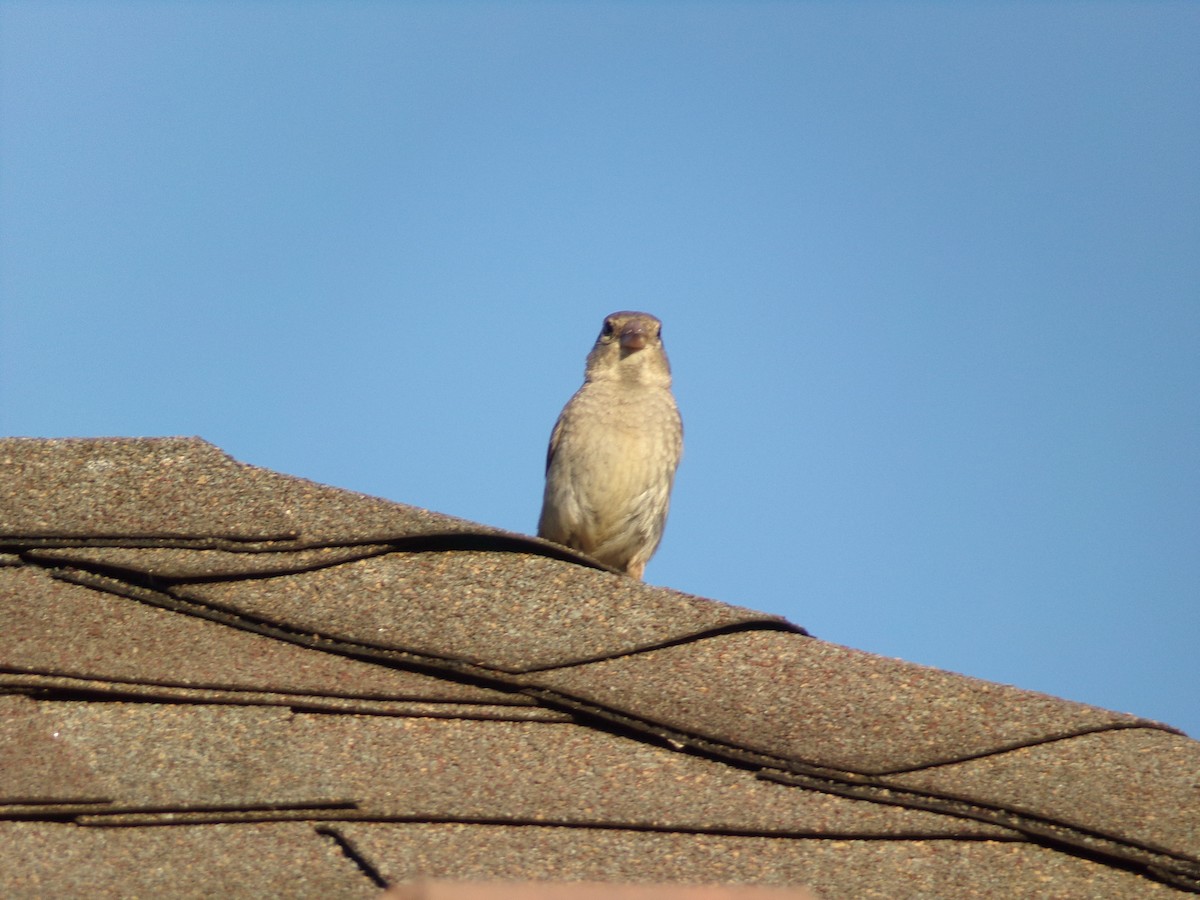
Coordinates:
929 273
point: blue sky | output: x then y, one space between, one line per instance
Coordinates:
929 273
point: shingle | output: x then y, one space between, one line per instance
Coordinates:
512 612
1156 802
155 755
65 629
802 699
834 869
185 488
179 563
59 687
569 773
37 765
291 860
143 487
152 757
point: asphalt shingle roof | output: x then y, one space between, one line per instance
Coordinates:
218 678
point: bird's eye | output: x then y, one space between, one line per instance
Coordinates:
608 328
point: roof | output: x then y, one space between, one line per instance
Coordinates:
216 675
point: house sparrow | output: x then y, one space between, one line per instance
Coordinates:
614 449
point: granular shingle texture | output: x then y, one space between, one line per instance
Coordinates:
220 680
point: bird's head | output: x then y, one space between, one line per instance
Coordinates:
629 349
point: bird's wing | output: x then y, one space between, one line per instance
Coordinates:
554 437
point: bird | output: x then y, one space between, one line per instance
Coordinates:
615 448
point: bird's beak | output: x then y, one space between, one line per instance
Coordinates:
633 337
